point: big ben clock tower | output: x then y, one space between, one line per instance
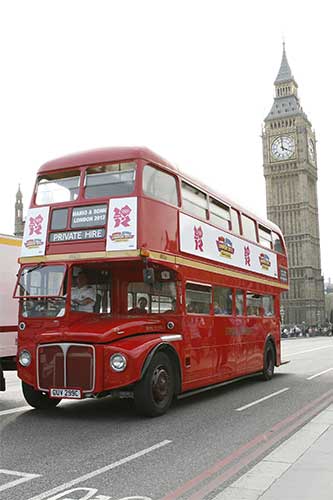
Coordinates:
290 169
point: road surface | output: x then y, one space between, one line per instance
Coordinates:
100 449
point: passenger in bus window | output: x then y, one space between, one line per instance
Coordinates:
192 307
142 303
217 308
141 307
83 295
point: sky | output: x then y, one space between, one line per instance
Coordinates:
191 79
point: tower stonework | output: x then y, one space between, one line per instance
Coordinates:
290 170
19 224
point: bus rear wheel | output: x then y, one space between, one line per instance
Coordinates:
38 399
154 393
269 361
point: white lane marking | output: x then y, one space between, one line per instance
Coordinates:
14 410
262 399
308 350
318 374
96 472
22 475
90 492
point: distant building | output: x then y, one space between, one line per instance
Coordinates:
329 286
290 169
19 222
329 300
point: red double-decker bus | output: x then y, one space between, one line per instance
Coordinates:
137 280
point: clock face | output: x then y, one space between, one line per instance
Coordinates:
311 149
283 147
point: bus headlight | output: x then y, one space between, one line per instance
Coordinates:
25 358
118 362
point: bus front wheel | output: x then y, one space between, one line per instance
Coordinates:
154 393
38 399
269 361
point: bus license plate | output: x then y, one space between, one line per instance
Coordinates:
66 393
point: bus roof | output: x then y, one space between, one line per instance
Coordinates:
103 155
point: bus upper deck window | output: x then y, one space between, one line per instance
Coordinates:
160 185
57 188
265 237
219 214
249 228
277 243
110 180
194 201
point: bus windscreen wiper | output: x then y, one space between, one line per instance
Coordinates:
32 269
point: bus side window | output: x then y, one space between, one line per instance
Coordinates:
160 185
194 201
277 244
239 302
254 304
198 298
234 221
265 237
268 305
222 301
219 214
249 228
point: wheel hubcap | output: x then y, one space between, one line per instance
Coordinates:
160 385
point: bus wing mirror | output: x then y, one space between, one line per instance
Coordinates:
149 275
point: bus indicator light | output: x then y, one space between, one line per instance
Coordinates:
144 252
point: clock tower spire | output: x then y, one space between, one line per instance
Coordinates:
290 170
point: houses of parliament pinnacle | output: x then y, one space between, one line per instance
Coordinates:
291 172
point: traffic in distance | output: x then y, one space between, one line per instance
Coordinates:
136 280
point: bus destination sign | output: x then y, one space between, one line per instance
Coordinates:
85 234
89 216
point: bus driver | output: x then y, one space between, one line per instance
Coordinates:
84 295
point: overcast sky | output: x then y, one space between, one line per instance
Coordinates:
192 80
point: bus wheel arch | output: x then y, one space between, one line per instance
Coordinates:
159 382
37 399
269 359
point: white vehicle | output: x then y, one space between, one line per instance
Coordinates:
10 248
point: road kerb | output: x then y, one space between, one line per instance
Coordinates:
260 478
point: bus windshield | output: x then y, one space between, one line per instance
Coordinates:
41 281
42 290
58 188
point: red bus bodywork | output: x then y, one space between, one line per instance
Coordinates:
73 349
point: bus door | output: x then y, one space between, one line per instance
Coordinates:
198 328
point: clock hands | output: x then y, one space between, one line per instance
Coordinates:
283 147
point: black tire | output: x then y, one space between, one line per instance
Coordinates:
269 361
154 393
38 399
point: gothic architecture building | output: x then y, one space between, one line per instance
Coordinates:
19 223
290 169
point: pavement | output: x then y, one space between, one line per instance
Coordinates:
300 468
